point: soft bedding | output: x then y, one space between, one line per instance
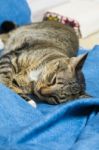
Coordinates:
16 11
70 126
86 12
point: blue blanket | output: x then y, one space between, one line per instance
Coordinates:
69 126
15 10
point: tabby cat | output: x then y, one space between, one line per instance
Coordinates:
41 59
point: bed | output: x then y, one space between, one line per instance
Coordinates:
69 126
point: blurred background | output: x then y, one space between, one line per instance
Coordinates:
86 12
83 12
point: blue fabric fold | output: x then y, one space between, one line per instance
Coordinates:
16 11
69 126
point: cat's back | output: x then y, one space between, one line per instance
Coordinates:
46 34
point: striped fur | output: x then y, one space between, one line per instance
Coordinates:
40 59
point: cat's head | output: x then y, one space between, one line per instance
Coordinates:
61 80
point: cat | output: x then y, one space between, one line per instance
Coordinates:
41 59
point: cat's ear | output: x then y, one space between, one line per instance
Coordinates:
78 62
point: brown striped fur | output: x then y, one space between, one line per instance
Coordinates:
40 59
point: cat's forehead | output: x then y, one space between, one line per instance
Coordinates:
64 65
64 72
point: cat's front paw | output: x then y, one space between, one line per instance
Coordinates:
29 100
32 103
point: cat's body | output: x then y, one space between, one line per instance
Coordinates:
40 59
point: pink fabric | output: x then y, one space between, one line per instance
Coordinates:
51 16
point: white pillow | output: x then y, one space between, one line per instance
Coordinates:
39 7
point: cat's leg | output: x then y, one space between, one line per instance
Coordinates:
6 77
7 82
19 91
23 90
29 100
7 74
